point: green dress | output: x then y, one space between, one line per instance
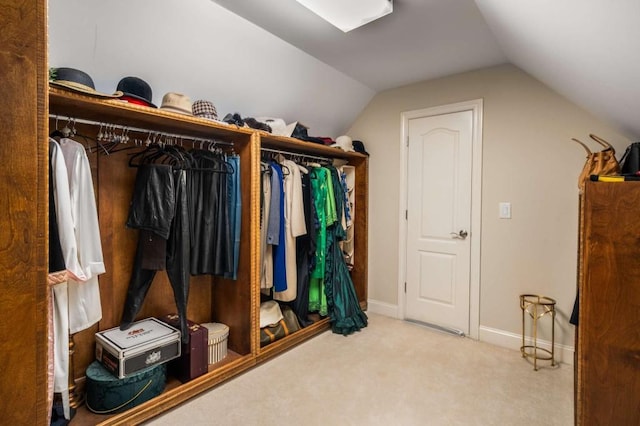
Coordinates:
344 307
319 194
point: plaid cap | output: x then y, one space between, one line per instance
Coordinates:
205 109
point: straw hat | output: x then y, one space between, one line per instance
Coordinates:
78 81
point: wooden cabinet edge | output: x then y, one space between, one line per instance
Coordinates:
280 346
180 394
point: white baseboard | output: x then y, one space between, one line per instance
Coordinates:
383 308
505 339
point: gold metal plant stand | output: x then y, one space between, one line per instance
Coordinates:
537 307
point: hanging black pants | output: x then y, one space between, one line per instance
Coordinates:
211 242
177 255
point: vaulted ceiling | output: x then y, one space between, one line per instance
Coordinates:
588 51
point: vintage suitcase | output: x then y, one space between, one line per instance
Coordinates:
193 361
287 325
106 394
146 343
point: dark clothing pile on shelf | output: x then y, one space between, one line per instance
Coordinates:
237 119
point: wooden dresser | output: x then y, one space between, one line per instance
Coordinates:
608 344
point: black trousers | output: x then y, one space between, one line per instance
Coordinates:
211 242
177 261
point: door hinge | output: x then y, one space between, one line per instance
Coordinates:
405 287
406 215
407 140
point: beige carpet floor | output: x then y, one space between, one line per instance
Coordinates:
391 373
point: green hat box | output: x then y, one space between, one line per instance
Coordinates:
107 394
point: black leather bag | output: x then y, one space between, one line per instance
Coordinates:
631 160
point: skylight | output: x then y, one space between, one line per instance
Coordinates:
349 14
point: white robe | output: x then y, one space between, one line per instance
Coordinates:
84 294
76 303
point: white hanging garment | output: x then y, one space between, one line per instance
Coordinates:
59 295
84 294
294 227
266 250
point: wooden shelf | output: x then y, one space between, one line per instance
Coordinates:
175 393
67 104
292 340
268 140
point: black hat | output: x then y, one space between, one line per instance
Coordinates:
136 91
358 146
78 81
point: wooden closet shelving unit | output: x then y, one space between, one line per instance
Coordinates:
211 299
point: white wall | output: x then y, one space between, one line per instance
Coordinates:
528 160
206 52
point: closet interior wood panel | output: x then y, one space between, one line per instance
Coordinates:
212 299
24 199
361 246
608 370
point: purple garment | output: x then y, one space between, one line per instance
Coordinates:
279 259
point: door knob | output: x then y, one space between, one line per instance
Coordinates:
461 235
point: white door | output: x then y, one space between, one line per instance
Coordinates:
439 185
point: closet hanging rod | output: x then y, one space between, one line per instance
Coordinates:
277 151
186 138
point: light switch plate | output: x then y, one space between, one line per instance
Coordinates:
505 211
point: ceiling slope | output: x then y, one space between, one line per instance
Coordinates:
420 40
588 51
